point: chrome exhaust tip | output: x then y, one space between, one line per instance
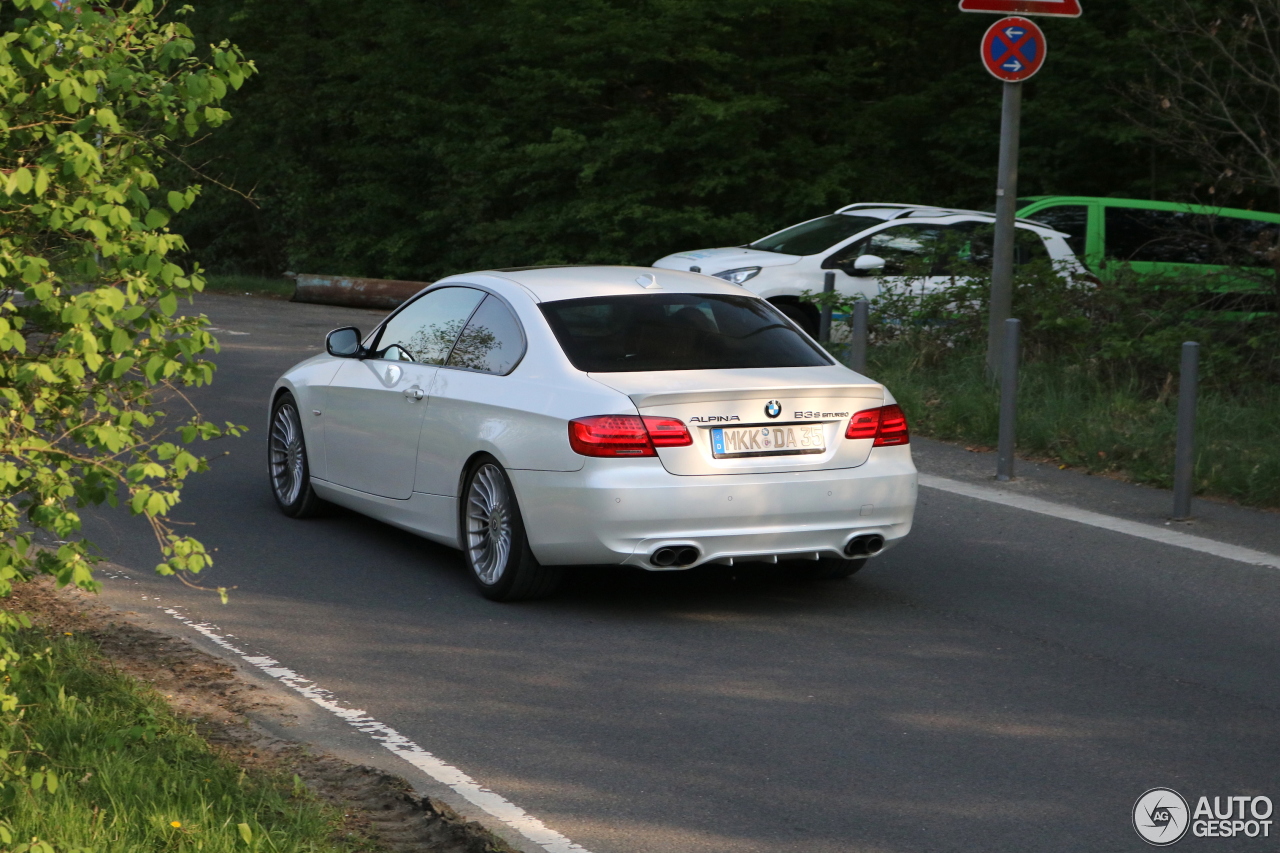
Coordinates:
687 556
663 557
674 556
864 546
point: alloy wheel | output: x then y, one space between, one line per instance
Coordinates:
489 533
288 455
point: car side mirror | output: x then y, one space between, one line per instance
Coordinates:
344 342
868 265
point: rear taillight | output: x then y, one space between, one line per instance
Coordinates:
610 435
887 425
667 432
864 424
893 428
626 435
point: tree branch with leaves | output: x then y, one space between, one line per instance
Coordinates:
94 99
1215 98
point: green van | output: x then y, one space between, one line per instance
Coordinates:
1156 237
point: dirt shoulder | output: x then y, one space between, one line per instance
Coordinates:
223 705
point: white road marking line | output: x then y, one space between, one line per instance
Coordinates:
1106 522
504 810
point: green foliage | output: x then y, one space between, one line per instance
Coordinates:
1071 413
94 99
89 325
409 140
1128 328
106 767
1098 386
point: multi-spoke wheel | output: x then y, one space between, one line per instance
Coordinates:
287 461
494 541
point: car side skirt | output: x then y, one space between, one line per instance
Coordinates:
433 517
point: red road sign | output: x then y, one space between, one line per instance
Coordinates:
1014 49
1053 8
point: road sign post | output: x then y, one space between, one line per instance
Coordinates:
1184 466
1008 440
1001 306
1013 50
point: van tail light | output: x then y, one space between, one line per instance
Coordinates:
887 425
626 435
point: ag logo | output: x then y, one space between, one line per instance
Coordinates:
1160 817
773 408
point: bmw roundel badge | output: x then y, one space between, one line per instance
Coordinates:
773 408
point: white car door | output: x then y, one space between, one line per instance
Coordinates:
910 251
474 404
924 257
375 405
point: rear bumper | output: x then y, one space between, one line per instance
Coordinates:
619 511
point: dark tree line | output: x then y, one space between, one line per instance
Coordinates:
406 139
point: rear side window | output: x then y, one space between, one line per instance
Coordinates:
1176 237
425 330
978 242
812 238
677 331
1070 219
492 342
907 249
911 249
937 250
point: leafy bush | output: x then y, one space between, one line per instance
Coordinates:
1098 384
1126 329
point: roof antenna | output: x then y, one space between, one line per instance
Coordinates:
649 281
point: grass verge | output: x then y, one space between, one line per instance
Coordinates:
248 285
1072 414
131 776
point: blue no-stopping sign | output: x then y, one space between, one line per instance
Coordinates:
1014 49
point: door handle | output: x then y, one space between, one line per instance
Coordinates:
414 393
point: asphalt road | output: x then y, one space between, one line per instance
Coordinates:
1002 681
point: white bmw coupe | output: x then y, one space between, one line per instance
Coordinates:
547 417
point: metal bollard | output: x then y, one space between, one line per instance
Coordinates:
1184 463
858 337
1008 399
824 324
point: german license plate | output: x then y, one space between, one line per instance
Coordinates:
775 440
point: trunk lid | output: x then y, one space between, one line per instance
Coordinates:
755 421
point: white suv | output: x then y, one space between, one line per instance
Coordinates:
864 245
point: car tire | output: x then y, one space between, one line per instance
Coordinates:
798 315
287 465
494 543
827 569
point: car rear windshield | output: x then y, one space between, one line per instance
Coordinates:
810 238
677 331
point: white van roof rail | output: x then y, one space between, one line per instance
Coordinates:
909 210
869 205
